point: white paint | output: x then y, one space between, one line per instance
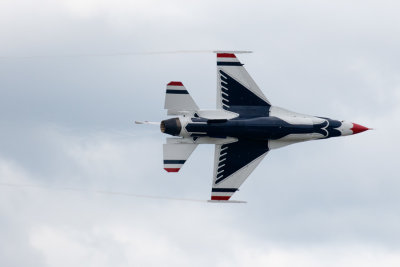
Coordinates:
175 103
345 128
217 114
177 152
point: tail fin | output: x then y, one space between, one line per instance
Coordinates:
175 155
178 100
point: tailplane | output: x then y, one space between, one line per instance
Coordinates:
175 155
177 99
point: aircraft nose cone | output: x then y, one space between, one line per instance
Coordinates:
357 128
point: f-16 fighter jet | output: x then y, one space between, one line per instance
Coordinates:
244 127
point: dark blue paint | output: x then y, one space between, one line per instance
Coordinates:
221 63
235 156
225 190
179 92
172 161
239 99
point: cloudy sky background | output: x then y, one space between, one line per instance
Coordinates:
67 122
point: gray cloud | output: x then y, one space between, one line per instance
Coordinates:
67 121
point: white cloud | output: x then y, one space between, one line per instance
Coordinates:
137 10
121 245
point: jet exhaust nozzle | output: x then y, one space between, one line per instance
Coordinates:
171 126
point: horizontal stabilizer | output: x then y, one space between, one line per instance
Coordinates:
175 155
177 99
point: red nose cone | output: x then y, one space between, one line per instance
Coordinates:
357 128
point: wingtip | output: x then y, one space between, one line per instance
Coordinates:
232 51
227 201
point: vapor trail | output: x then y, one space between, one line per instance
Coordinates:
121 54
109 54
104 192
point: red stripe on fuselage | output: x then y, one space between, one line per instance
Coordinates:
172 169
226 55
175 84
220 197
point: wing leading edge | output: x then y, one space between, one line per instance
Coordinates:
233 163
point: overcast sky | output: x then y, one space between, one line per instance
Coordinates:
68 103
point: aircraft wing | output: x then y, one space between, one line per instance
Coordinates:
233 163
236 90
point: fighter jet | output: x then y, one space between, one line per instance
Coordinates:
244 127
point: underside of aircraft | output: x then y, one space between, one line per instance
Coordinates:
244 127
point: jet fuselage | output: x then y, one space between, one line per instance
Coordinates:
261 128
283 126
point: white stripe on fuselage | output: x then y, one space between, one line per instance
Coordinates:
293 117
